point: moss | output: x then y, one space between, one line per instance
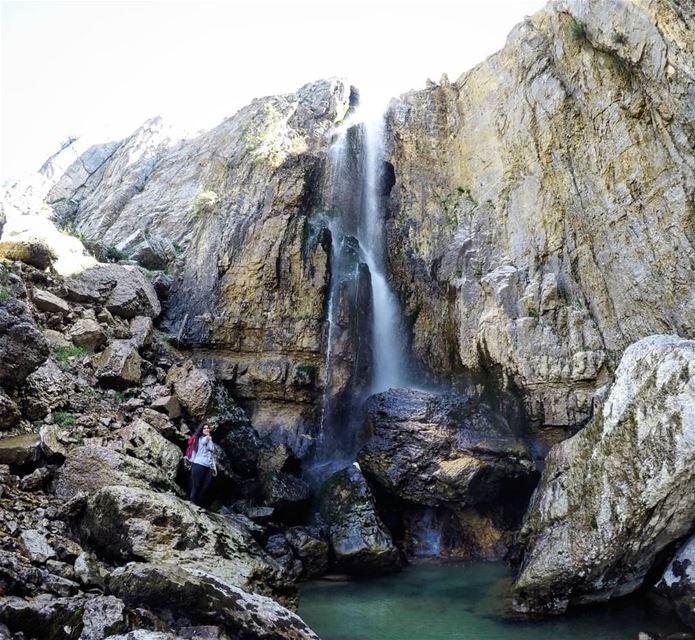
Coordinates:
64 419
64 354
6 292
576 30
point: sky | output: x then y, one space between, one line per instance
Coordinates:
100 69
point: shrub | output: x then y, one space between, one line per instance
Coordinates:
576 29
204 203
64 419
114 254
63 354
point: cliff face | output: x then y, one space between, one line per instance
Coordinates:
544 207
228 214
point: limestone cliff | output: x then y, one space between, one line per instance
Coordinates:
543 213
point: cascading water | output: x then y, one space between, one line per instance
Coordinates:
365 351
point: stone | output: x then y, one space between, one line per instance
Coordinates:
36 480
141 329
88 334
9 412
311 548
124 523
46 301
20 450
56 339
89 468
142 441
678 582
36 546
54 442
34 252
360 542
167 404
243 446
119 366
616 494
207 599
22 347
441 449
193 388
46 389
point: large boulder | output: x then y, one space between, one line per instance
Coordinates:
119 365
47 388
142 441
31 251
49 302
19 450
87 469
617 493
22 347
678 582
207 599
441 448
360 541
126 523
124 290
87 333
193 387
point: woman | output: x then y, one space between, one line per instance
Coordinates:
203 466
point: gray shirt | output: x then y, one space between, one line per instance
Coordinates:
205 454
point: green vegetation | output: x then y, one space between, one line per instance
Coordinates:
6 292
576 30
64 419
63 354
619 38
533 312
114 254
178 248
204 203
120 397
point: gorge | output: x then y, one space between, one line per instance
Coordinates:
461 329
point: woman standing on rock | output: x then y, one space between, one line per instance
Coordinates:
203 466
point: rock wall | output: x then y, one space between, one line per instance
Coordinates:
543 213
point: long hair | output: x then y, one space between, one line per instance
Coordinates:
198 434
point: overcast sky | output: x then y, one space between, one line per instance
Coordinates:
102 68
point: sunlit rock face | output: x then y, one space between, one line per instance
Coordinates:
234 205
542 214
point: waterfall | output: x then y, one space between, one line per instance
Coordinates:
365 350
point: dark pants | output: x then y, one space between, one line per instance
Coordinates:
201 477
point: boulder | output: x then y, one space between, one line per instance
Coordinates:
87 333
281 485
119 365
678 582
34 252
87 617
89 468
19 450
311 548
9 412
56 339
36 546
124 290
142 441
46 389
441 448
619 492
167 404
360 542
207 599
22 347
193 387
243 446
141 329
54 442
46 301
126 523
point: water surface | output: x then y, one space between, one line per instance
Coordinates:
458 602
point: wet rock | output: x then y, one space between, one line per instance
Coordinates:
618 492
434 449
125 291
281 485
36 480
22 347
243 445
207 599
46 389
33 252
678 582
142 441
46 301
85 617
360 542
36 546
19 450
87 333
119 366
193 388
9 412
124 523
141 329
89 468
311 548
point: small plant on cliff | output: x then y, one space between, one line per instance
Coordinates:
576 29
114 254
63 354
63 418
204 203
6 292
